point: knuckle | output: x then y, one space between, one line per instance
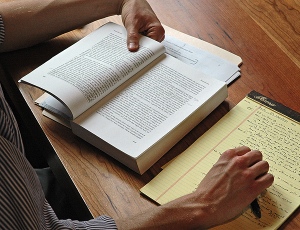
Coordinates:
248 175
133 35
258 153
240 162
229 153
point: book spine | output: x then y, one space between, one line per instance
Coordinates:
274 105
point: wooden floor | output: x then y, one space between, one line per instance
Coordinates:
280 19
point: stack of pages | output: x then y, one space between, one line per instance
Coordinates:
209 59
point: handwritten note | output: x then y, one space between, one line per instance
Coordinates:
252 124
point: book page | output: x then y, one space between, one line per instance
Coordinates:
194 41
93 67
252 124
151 105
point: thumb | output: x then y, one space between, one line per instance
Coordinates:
133 38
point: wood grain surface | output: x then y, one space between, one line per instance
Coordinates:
265 33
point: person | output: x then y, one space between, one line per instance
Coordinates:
29 22
235 180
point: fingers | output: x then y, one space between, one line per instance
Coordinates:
239 151
139 18
251 165
252 157
244 154
242 150
259 168
262 179
156 32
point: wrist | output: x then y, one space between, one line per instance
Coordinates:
188 212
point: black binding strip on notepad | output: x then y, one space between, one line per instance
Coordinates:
268 102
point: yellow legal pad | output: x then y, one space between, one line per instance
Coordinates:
257 122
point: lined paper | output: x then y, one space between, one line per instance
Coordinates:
252 124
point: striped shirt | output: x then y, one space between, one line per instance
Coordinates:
22 201
2 31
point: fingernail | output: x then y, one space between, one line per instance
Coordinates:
132 46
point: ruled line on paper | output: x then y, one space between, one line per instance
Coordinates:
225 137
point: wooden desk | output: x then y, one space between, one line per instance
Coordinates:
263 33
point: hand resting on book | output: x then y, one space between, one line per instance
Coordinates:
135 26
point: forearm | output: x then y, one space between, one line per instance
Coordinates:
43 20
183 213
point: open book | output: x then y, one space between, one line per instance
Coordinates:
132 106
259 123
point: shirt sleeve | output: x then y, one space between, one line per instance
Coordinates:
2 31
100 223
22 201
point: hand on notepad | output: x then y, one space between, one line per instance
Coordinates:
236 179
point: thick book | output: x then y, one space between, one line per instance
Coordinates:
260 123
134 106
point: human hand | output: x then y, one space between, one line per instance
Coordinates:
237 178
139 18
